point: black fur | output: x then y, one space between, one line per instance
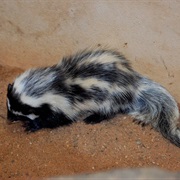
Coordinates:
97 118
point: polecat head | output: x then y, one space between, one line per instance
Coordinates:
16 109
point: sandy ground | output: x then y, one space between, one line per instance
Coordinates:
79 148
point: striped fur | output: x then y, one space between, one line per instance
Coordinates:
91 86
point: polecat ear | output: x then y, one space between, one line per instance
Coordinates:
10 87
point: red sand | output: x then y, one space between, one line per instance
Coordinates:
118 143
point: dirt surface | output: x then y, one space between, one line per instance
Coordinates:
79 148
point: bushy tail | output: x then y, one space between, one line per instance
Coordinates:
154 105
168 129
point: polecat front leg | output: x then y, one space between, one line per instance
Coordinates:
33 125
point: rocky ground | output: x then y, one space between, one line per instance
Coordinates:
79 148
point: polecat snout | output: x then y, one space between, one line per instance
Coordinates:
93 86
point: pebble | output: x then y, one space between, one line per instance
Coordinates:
138 142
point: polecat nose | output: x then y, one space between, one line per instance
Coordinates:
11 117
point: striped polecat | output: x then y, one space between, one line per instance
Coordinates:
91 86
